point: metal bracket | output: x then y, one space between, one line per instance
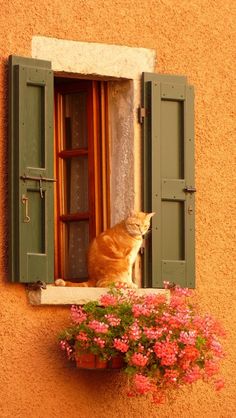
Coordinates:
37 285
171 285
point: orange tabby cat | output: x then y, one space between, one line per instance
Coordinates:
112 254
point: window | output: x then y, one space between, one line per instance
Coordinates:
168 185
81 161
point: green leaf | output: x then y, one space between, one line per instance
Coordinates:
200 342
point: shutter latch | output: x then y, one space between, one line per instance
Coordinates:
141 114
40 179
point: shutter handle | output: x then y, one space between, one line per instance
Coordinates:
190 189
25 201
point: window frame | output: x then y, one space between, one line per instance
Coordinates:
98 214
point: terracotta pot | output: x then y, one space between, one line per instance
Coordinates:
100 364
86 361
116 362
91 361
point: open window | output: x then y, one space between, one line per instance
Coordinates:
73 165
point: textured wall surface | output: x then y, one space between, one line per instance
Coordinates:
196 39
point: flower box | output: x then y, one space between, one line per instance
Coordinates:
160 343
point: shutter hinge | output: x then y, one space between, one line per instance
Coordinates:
141 114
190 189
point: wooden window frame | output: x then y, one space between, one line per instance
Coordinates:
98 214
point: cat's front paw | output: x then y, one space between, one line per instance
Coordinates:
134 286
60 282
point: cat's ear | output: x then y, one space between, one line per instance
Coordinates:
132 213
150 215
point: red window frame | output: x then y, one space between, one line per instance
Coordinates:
98 214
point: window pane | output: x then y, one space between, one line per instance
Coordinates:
76 184
75 120
77 241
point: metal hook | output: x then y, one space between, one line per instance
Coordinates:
25 201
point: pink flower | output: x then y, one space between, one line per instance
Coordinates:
99 327
121 345
139 359
184 364
135 332
219 384
82 336
139 310
217 348
211 368
153 333
175 320
142 384
192 375
188 338
108 300
154 300
99 342
167 351
65 346
190 353
77 314
113 320
140 348
171 375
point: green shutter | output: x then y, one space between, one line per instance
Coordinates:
168 135
31 237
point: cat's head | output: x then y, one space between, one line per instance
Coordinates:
138 223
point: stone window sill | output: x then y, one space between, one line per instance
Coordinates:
55 295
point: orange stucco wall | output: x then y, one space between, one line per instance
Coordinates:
195 38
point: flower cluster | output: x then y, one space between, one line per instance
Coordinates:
164 341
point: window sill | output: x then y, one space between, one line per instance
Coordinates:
55 295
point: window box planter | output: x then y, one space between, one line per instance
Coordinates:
164 343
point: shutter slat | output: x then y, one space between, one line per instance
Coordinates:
31 154
168 170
